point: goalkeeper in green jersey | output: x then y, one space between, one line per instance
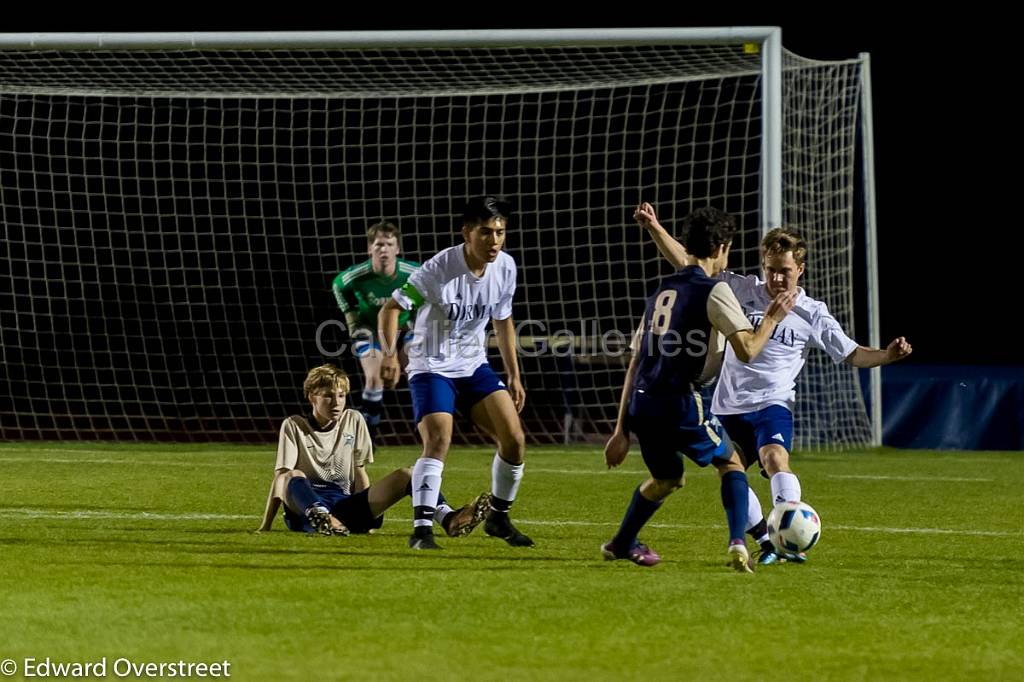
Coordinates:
360 292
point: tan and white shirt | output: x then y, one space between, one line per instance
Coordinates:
325 456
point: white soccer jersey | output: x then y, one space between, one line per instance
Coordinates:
771 378
449 336
325 456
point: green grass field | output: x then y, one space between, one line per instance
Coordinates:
145 552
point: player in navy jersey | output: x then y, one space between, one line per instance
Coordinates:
755 401
677 349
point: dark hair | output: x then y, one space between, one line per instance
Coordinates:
479 210
385 228
705 230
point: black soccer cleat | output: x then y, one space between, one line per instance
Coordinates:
423 540
498 525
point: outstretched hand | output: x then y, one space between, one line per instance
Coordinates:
898 349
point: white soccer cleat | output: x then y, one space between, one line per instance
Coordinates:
739 559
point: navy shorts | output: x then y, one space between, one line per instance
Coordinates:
363 346
435 393
351 510
753 430
670 428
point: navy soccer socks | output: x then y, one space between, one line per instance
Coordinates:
638 513
734 499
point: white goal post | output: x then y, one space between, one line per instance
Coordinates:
175 206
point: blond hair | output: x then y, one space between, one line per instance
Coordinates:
325 378
783 239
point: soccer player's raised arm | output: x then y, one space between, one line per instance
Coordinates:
506 334
671 249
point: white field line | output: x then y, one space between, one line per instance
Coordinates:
950 479
16 512
127 461
146 450
269 462
149 461
126 451
28 513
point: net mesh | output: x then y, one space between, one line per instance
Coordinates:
173 220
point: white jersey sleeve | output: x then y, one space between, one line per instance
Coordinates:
423 285
828 335
503 311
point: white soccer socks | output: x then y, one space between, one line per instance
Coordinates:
505 479
754 513
785 487
426 484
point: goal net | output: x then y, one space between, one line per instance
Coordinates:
173 216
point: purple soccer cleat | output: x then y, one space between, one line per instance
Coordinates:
640 554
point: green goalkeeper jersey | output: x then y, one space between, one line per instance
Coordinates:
362 291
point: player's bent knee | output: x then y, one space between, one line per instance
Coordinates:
732 465
518 438
776 459
663 487
437 443
746 460
513 447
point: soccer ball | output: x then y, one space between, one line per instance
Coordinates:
794 526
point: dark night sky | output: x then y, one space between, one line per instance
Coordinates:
943 94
